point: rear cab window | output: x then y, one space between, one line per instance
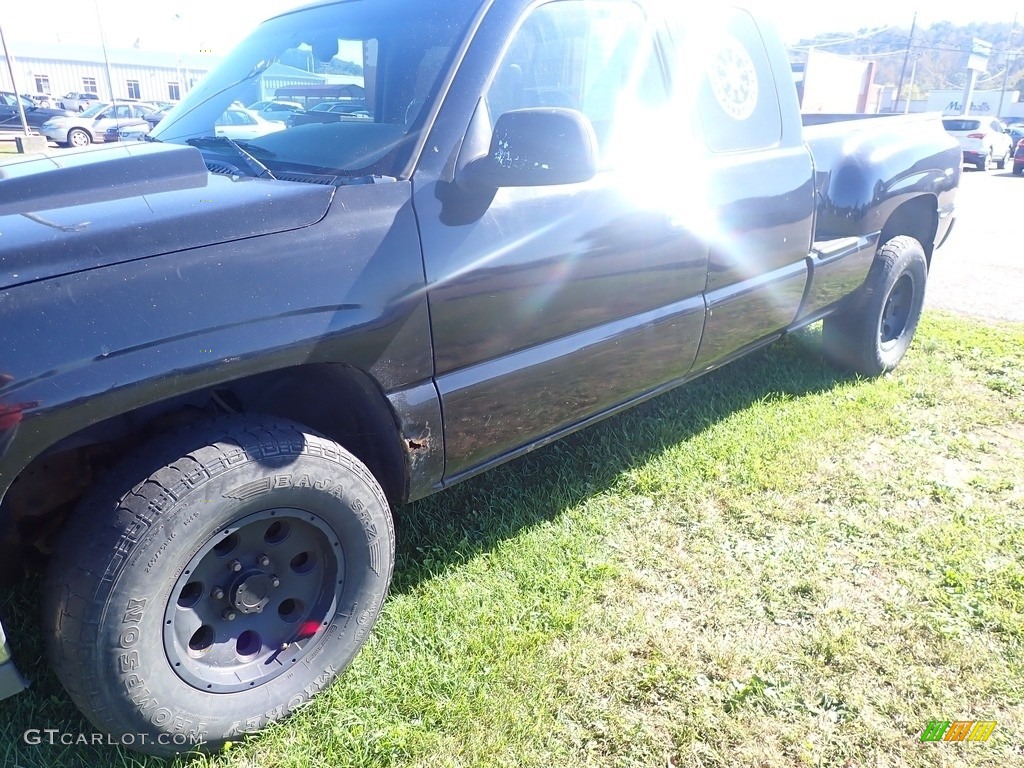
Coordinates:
734 89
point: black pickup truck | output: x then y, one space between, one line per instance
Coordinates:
224 362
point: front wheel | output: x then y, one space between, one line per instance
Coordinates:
873 334
222 578
78 138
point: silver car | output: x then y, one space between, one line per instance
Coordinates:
92 125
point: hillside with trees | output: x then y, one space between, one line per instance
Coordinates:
939 50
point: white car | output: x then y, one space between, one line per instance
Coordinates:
275 109
239 123
984 140
44 100
78 102
92 125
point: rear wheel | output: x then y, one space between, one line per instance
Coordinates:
985 162
225 576
873 334
1001 163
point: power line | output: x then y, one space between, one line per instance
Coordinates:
827 42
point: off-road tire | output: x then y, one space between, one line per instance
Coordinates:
197 528
873 333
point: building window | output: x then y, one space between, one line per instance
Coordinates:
42 84
173 91
89 85
133 90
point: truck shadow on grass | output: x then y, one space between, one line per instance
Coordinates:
450 528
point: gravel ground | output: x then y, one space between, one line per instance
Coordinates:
980 269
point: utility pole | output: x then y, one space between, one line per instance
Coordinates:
906 57
913 73
103 43
1006 72
14 82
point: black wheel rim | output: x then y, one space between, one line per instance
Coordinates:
254 601
896 314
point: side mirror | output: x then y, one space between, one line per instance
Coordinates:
536 147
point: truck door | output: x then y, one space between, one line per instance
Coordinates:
553 304
757 174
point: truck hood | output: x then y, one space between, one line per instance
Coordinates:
105 205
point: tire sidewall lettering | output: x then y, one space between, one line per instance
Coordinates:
149 685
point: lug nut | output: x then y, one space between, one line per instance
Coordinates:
275 582
235 566
217 593
229 615
263 561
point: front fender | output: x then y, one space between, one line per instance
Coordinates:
82 348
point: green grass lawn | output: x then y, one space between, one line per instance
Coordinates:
776 565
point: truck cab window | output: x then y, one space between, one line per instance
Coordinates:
736 94
596 56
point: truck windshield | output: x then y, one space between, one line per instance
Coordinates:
377 65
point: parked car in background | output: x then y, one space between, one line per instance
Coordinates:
78 102
136 129
44 100
1018 158
275 109
983 140
10 115
1016 133
331 112
92 124
238 123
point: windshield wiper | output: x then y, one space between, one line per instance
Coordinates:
256 168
